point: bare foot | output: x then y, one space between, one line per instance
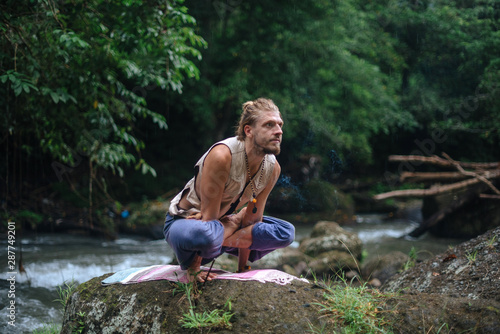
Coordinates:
232 223
199 275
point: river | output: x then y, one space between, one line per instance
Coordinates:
50 260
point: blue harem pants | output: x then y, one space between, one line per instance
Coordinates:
189 237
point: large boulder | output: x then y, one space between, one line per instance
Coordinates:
384 267
470 220
331 249
458 291
332 263
471 270
327 236
153 307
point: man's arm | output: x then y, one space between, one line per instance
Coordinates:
210 187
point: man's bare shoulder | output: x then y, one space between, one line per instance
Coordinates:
219 154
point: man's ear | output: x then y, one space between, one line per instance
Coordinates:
248 130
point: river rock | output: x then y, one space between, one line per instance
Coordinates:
470 220
331 249
153 307
464 282
455 292
384 267
280 258
332 262
327 236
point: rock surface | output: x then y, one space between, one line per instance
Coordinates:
471 270
455 292
470 220
460 288
152 307
331 249
384 267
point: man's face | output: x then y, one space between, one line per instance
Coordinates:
267 132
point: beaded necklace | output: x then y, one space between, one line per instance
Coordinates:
254 199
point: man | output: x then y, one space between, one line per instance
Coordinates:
241 170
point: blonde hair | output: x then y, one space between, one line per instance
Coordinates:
251 111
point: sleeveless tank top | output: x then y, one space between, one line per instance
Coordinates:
235 184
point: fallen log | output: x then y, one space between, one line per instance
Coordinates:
470 186
473 174
428 177
442 162
438 189
435 190
489 196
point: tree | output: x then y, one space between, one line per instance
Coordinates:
74 76
450 74
327 64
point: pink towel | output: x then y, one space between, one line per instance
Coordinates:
176 274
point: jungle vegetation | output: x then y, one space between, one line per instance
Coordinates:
110 101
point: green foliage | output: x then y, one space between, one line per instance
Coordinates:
80 323
48 329
471 256
451 73
412 259
65 292
327 65
354 309
74 74
491 241
354 76
30 217
215 319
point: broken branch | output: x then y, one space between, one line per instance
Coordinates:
475 175
442 162
422 176
435 190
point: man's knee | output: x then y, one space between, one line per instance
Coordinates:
273 236
287 235
205 236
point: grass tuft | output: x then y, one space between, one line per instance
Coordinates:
215 319
354 309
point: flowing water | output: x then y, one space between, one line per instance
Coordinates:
52 260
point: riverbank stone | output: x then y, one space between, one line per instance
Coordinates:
384 267
457 291
155 307
327 236
331 249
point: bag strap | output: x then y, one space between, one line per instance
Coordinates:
234 205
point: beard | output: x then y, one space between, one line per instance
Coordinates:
275 149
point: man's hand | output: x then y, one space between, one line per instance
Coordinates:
195 216
232 223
